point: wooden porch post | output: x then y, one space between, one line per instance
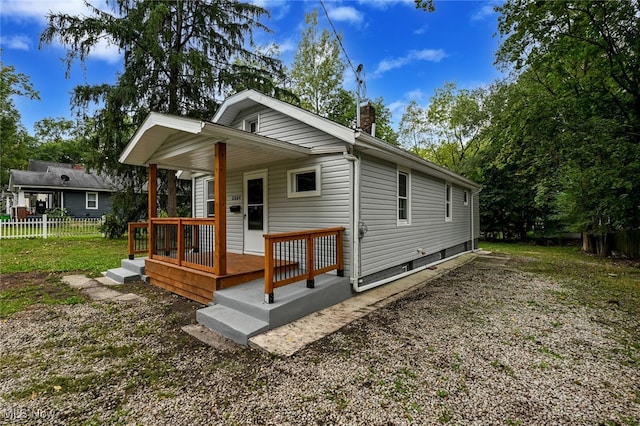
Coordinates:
220 209
152 204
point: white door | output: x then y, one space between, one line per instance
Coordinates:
255 211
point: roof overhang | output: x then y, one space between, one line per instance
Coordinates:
380 149
185 144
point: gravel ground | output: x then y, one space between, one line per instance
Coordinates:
484 344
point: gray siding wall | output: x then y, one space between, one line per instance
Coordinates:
282 127
331 209
388 243
76 202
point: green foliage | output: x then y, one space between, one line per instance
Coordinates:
59 140
571 119
317 68
16 143
178 57
53 293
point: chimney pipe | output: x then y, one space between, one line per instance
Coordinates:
368 118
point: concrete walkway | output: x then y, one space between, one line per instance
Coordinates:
290 338
100 288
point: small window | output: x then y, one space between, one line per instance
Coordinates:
209 197
252 125
447 204
92 201
404 190
304 182
466 198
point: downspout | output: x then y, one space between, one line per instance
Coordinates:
355 219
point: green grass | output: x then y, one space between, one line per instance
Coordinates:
53 292
90 255
592 280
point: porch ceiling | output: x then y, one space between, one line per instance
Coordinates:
186 144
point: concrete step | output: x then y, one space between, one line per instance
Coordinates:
291 302
134 265
122 275
230 323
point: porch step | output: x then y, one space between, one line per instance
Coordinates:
134 265
231 323
245 303
122 275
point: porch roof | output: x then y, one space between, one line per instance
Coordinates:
179 143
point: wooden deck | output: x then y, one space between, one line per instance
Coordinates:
200 285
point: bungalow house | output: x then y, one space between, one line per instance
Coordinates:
324 210
47 185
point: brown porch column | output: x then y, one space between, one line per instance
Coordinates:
152 204
220 209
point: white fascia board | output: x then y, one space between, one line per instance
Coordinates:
334 129
382 149
136 152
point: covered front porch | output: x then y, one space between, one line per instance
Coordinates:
189 256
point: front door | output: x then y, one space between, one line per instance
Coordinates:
255 211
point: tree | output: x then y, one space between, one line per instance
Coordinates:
59 140
16 142
447 131
317 70
179 55
583 56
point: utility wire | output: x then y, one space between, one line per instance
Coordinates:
338 37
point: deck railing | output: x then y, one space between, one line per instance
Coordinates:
183 241
138 235
313 252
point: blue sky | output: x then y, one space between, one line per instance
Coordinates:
406 53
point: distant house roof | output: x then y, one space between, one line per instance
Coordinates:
56 176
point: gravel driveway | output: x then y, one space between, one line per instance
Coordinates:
484 344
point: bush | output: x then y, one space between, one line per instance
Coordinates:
114 226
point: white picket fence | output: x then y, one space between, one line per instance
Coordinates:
45 227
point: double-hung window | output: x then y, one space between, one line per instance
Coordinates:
404 202
92 201
209 198
448 197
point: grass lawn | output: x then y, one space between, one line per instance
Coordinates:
593 280
90 255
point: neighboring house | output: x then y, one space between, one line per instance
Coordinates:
281 169
47 185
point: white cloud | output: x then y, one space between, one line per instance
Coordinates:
39 9
483 13
431 55
421 30
345 14
384 4
16 42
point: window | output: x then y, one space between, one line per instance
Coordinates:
304 182
448 217
92 201
209 198
404 189
466 198
252 124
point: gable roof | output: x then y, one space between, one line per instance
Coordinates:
362 141
57 176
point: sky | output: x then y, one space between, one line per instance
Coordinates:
406 53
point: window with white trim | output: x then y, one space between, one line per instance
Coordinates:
404 201
305 182
448 196
252 124
92 200
466 198
209 198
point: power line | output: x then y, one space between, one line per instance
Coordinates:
338 37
